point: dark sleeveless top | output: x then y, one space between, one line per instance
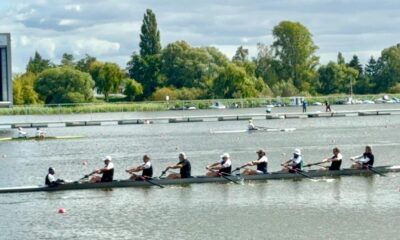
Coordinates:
148 172
226 170
335 165
108 175
186 169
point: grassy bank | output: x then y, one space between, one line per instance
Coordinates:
161 106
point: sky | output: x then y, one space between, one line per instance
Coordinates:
109 29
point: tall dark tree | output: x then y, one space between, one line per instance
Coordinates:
355 63
150 35
37 64
241 54
67 60
145 68
85 63
340 59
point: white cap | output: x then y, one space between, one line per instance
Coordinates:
297 152
107 158
225 155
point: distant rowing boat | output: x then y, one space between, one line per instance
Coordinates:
201 179
255 130
37 138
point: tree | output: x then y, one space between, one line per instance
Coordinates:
388 69
241 54
85 63
295 49
37 64
64 85
23 92
340 59
336 78
145 68
266 66
150 35
132 89
67 60
355 63
107 76
233 82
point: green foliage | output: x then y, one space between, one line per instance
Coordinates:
388 69
285 89
233 82
355 63
23 92
395 88
340 59
336 78
295 49
64 85
37 64
178 94
241 54
107 76
67 60
150 35
132 89
85 63
161 93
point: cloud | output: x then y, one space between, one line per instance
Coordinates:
109 30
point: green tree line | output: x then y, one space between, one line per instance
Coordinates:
288 66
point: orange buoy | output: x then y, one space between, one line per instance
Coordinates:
61 210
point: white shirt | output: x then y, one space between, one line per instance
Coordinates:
147 165
21 133
227 163
362 159
296 160
109 166
251 126
39 133
263 159
51 178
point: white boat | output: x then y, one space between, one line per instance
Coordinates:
217 105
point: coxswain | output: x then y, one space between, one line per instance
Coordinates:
335 160
107 172
261 163
223 166
146 168
183 165
51 180
251 126
365 160
294 164
22 133
39 133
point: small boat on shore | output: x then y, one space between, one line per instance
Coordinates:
203 179
38 138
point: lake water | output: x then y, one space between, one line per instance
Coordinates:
345 208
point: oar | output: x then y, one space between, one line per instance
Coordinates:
225 175
313 164
151 182
303 174
371 168
86 176
237 169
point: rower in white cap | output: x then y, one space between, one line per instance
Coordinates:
294 164
223 166
107 172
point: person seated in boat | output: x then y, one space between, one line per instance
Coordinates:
261 163
107 172
223 166
335 160
146 168
22 133
294 164
251 126
39 133
184 167
51 180
364 160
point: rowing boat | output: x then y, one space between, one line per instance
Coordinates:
37 138
200 179
255 130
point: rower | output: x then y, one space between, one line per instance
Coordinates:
294 164
365 160
107 172
146 168
39 133
22 133
222 167
251 126
183 165
51 180
261 163
335 160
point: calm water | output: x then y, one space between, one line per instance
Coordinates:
346 208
